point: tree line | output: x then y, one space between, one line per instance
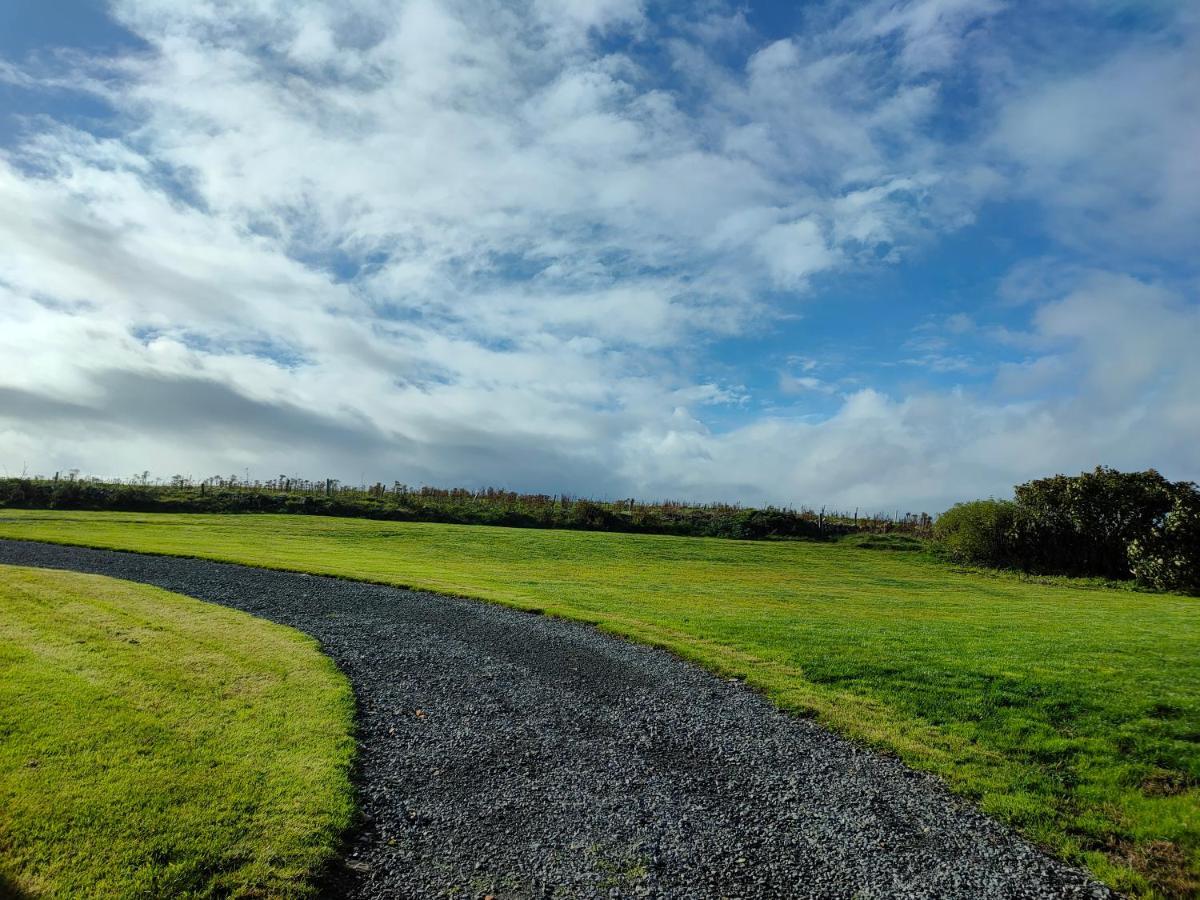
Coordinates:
487 506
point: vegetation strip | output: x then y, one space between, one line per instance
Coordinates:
1067 709
153 745
400 502
526 756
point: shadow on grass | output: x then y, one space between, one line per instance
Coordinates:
10 891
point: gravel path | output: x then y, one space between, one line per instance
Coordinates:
510 754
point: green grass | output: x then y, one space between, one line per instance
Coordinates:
1070 711
155 746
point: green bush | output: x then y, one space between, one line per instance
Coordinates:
1168 557
1083 524
978 532
1104 523
758 524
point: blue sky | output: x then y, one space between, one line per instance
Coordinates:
882 254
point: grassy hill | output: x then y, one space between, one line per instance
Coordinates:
1070 710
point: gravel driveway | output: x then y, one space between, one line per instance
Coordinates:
510 754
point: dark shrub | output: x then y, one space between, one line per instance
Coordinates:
1083 524
1168 557
22 492
593 517
979 532
756 524
1103 523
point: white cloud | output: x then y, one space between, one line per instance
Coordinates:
794 251
1130 341
933 32
799 384
1113 152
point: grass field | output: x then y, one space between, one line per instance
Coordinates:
1070 711
155 746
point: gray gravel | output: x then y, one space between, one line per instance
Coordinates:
510 754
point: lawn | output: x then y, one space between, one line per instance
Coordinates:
1071 711
155 746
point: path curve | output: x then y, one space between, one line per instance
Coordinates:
515 755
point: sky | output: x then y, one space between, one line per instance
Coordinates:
886 255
